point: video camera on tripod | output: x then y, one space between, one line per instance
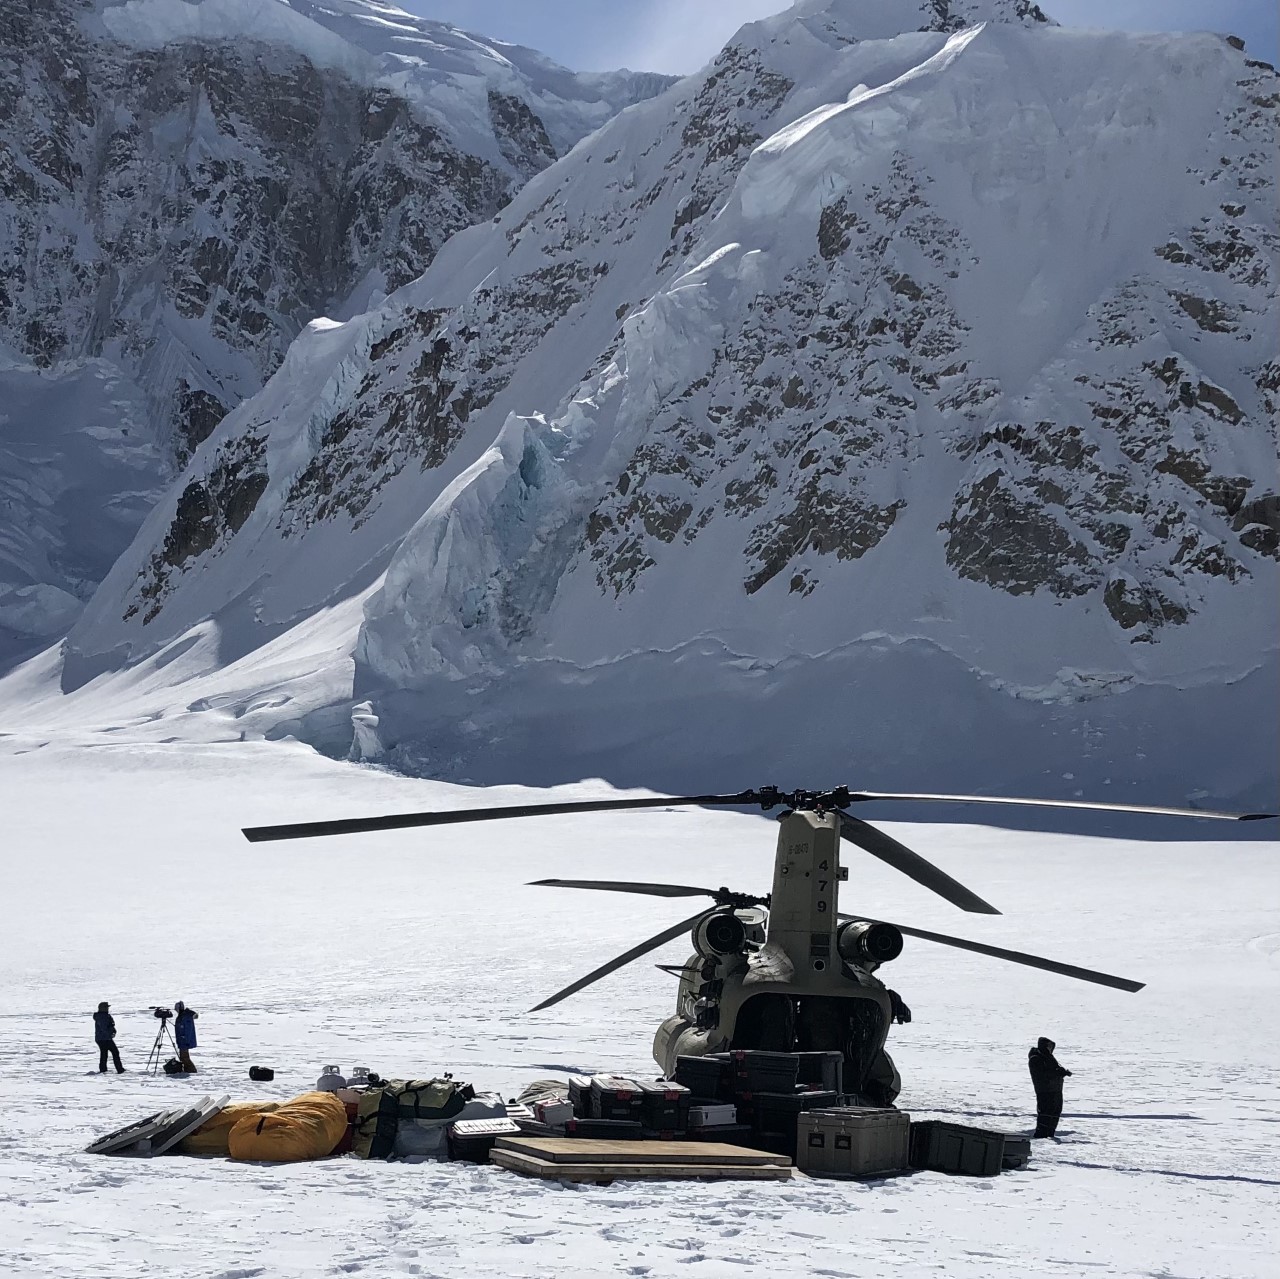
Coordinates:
156 1058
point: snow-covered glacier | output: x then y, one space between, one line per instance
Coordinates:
895 398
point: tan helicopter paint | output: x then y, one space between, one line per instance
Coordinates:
796 956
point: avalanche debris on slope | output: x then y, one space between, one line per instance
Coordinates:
957 346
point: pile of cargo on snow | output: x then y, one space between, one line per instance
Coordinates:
748 1114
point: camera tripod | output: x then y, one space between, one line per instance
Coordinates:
157 1049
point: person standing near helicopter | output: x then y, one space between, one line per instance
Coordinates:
1046 1079
184 1034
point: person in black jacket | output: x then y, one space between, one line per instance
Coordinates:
104 1035
1046 1078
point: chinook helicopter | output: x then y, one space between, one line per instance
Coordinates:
788 972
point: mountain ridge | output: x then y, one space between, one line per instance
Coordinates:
932 369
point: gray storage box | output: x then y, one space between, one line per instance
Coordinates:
853 1141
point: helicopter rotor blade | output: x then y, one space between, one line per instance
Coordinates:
620 886
659 939
874 841
859 797
398 821
1015 957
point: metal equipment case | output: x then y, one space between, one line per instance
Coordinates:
854 1141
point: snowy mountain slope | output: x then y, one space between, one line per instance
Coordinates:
184 185
939 369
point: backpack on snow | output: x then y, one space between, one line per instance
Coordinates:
380 1111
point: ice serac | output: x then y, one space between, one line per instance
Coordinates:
895 397
184 184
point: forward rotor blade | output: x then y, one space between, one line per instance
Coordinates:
900 857
858 797
668 934
619 886
1017 957
398 821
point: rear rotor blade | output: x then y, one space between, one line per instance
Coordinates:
668 934
858 797
398 821
620 886
1016 957
900 857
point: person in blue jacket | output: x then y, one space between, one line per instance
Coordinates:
184 1034
104 1035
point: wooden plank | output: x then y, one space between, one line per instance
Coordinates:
531 1166
583 1151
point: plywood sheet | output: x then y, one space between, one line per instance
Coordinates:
602 1170
580 1151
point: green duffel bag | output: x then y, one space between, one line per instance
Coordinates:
380 1111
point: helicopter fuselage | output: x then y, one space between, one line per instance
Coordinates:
779 980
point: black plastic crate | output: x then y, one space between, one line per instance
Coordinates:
824 1070
580 1095
774 1116
471 1139
776 1112
1017 1151
613 1097
732 1134
664 1105
605 1129
937 1146
709 1078
756 1071
776 1143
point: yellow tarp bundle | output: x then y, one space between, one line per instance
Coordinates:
211 1138
308 1127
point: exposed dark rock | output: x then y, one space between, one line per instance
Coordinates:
825 521
1209 314
197 414
1134 606
996 537
1258 522
210 509
522 137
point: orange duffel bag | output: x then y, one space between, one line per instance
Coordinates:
308 1127
211 1137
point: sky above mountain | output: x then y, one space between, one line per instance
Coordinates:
677 37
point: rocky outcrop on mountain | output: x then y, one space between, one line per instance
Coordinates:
932 352
180 201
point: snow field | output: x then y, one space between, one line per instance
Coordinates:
413 952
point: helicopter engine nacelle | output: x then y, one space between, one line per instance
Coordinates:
861 942
719 934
